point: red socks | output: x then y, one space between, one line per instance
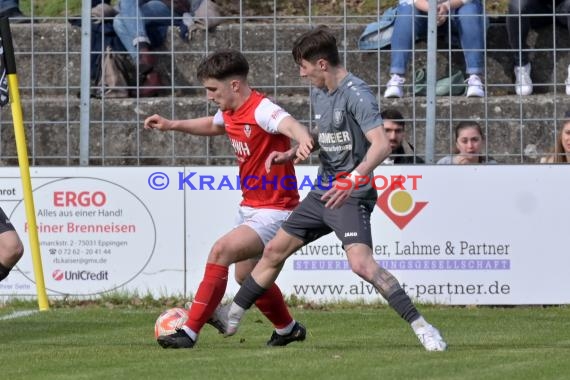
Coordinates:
273 306
208 296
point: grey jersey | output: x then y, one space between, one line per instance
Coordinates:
342 119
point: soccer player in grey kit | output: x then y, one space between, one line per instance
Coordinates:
352 143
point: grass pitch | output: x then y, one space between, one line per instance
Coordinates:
116 342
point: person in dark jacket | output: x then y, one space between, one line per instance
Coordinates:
402 151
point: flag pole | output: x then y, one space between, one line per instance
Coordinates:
9 63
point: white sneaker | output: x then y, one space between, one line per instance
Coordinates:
523 83
394 87
475 87
567 82
235 313
429 336
219 318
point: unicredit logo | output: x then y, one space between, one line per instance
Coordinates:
57 275
80 275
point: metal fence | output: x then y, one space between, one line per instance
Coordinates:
66 126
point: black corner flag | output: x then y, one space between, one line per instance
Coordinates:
7 62
4 99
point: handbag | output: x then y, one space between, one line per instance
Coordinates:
453 85
114 75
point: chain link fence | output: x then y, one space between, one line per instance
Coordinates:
66 126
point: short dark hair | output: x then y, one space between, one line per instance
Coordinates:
394 115
223 64
318 43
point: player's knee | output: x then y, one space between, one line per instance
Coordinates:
18 251
219 253
361 269
10 255
11 251
273 255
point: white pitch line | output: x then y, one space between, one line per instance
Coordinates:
18 314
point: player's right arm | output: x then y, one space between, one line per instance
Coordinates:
203 126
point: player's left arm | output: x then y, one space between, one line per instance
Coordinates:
291 128
276 157
274 119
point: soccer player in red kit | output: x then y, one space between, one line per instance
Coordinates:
256 127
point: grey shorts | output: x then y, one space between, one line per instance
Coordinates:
5 224
351 223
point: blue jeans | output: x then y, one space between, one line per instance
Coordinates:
8 4
467 22
148 23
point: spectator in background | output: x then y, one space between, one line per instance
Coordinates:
561 151
11 9
466 17
11 248
142 26
402 150
469 143
517 22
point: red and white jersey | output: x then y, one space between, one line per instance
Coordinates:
252 130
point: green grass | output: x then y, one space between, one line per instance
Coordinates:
51 8
106 341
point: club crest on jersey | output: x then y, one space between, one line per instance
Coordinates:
247 130
338 116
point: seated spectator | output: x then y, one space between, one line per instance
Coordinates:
402 150
142 26
466 18
516 23
561 151
11 9
469 143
